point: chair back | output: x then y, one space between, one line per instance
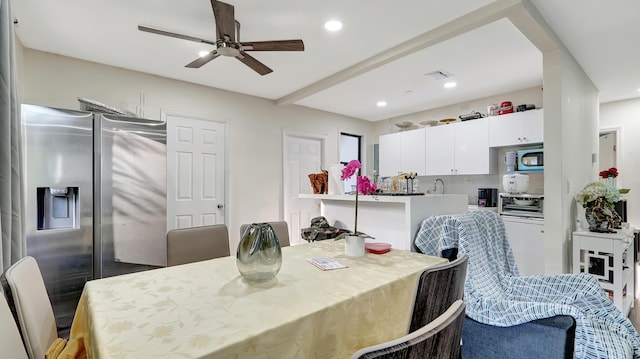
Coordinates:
10 340
438 339
35 314
438 287
187 245
279 227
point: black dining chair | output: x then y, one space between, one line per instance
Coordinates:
439 338
438 287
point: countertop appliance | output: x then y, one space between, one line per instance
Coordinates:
487 197
515 183
510 160
95 198
505 107
531 160
521 205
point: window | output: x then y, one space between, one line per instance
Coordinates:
349 150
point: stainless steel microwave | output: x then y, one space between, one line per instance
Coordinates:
531 160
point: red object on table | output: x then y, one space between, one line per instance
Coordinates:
377 248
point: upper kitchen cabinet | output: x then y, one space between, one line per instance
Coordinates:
460 148
516 129
402 152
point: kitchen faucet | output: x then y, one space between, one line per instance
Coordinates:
435 185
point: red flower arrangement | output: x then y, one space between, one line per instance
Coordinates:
611 172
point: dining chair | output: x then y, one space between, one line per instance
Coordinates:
10 340
439 338
194 244
438 287
33 308
279 227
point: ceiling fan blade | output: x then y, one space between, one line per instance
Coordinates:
203 60
225 20
173 34
278 45
256 65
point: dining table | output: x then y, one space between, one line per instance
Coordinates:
207 310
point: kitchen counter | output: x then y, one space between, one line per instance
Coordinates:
390 219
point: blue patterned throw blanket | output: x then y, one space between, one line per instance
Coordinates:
496 294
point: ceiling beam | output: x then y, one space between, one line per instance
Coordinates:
470 21
533 26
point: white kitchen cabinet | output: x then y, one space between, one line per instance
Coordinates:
402 152
459 148
439 150
389 154
518 128
526 238
608 257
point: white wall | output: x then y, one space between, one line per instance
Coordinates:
626 114
531 95
254 125
571 136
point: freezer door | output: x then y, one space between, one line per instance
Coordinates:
131 209
59 201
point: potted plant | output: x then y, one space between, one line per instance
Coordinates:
354 242
598 199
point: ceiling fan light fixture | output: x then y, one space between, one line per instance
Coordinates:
333 25
450 84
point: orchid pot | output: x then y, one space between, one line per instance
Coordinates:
354 246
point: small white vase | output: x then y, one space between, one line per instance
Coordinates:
354 246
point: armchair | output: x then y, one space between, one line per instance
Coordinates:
497 296
541 338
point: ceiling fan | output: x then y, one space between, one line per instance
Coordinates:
228 41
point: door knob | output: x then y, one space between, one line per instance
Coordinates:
220 206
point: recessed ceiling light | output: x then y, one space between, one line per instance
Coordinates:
638 90
449 85
333 25
203 53
381 103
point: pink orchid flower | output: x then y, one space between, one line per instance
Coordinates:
365 186
350 169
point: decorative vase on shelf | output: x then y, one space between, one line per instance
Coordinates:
601 217
259 256
354 246
611 181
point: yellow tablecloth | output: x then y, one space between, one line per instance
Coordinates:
206 310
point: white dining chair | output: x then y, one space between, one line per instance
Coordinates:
33 308
187 245
280 228
10 340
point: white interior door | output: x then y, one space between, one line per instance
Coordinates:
195 172
302 155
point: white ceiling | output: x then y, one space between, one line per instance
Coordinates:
382 53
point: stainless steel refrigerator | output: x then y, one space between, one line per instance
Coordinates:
96 198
